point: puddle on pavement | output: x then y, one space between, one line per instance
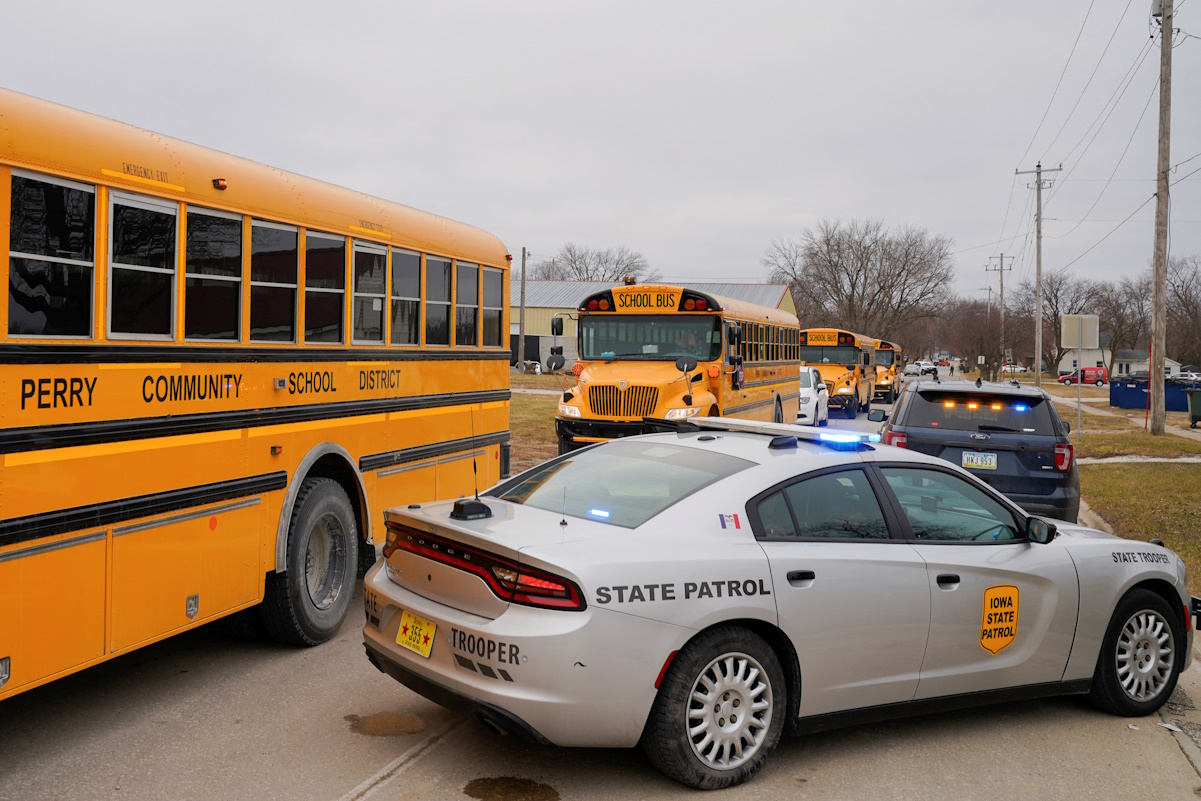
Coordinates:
385 724
510 788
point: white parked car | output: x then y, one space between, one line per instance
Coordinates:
702 591
814 404
1012 368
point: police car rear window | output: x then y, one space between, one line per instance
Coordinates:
981 412
622 483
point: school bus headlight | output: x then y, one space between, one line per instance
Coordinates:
681 414
845 390
567 410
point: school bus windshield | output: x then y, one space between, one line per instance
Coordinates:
651 337
815 354
885 358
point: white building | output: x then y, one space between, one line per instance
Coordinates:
1127 361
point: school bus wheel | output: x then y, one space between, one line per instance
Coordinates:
307 602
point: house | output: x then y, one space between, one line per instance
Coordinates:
1126 361
545 300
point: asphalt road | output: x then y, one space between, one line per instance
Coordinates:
207 716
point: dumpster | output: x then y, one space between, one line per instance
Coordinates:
1194 407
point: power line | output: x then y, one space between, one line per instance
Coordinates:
1008 203
1057 83
1123 222
1117 166
1089 81
1123 84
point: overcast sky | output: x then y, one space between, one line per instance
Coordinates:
694 132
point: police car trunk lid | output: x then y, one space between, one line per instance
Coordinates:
502 535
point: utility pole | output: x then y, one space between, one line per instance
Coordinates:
1038 269
521 320
1159 270
1002 270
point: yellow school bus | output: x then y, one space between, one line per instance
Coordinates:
847 364
889 371
214 378
744 362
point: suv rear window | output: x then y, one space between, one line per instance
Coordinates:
981 412
622 483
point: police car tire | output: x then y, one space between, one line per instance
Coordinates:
665 737
1107 692
288 611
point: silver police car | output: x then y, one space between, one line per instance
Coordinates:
705 590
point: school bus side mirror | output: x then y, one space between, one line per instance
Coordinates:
556 327
734 335
685 364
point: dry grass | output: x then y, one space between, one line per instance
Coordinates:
534 381
1142 501
1138 443
1092 423
1064 391
532 423
1178 419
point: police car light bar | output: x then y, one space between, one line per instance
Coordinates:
806 433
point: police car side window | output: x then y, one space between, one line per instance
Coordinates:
775 517
837 506
942 507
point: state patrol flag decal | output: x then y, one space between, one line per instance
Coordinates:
729 521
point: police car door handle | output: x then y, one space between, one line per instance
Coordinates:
801 578
948 581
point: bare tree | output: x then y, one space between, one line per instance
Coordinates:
1125 311
1184 309
863 276
576 263
1063 293
975 332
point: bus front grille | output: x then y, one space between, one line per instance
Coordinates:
609 401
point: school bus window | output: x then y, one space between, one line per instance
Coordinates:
406 297
467 301
437 304
494 302
51 238
141 265
274 260
213 276
324 286
370 272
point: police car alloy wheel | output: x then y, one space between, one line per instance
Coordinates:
1139 662
720 710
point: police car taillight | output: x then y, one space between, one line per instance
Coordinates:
508 580
895 439
1063 457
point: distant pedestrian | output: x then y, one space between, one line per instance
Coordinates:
952 368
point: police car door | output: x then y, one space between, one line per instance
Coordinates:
1003 610
853 599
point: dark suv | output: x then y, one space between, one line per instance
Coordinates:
1010 437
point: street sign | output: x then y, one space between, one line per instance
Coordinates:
1008 355
1079 331
979 360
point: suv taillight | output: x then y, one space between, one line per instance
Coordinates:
508 580
1063 457
894 438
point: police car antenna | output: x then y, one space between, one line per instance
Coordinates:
475 476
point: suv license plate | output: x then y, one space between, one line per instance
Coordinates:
979 461
416 633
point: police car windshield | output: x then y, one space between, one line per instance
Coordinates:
622 483
653 337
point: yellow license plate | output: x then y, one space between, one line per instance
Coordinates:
416 633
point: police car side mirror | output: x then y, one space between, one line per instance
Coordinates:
556 326
877 416
1040 531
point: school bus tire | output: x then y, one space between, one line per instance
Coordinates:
851 410
307 603
777 414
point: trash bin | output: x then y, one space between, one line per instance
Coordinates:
1194 407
